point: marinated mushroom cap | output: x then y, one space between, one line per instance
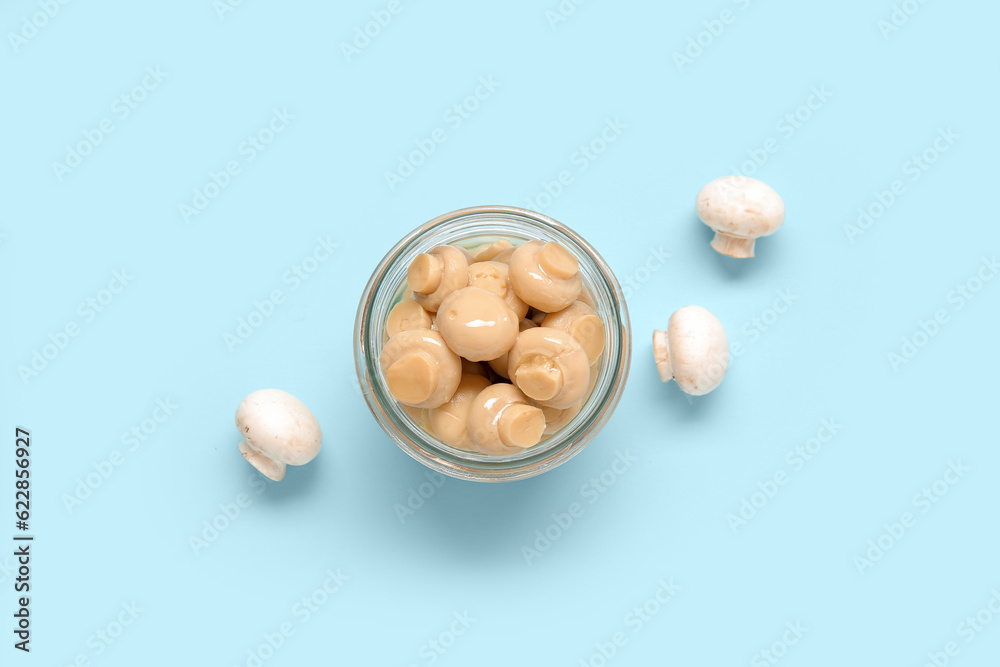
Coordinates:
495 277
503 256
420 369
557 418
537 316
499 365
740 210
474 368
434 275
476 324
420 416
503 422
545 275
406 316
693 350
582 323
449 422
487 251
278 430
549 366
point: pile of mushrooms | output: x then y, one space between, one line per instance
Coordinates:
495 348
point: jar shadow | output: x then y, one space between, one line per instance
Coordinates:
481 521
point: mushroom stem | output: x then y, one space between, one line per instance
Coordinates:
521 425
661 351
734 246
425 272
556 261
267 466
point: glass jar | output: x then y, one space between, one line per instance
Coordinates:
469 227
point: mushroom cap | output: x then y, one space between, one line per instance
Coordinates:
487 251
475 368
545 275
420 369
537 316
694 350
740 206
504 256
435 274
476 324
582 323
405 316
499 365
549 366
495 277
449 422
279 426
503 422
418 415
557 418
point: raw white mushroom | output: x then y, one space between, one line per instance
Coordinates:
277 430
693 350
740 210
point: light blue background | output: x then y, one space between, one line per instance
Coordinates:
162 337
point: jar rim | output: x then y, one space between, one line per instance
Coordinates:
469 465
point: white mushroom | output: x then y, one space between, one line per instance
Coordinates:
502 421
549 366
277 430
420 369
740 210
545 275
434 275
693 350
